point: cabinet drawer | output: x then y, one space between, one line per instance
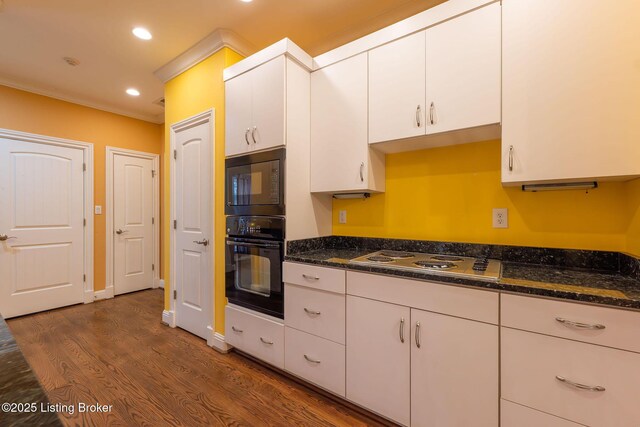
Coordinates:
440 298
324 363
317 312
514 415
621 327
255 335
532 362
311 276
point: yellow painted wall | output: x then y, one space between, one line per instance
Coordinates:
448 194
28 112
192 92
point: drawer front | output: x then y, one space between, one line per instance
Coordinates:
621 327
311 276
514 415
324 364
440 298
531 363
316 312
255 335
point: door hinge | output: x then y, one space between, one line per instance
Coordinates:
153 173
84 222
153 267
175 154
175 294
153 221
84 167
175 224
84 277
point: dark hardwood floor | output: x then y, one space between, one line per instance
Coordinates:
116 352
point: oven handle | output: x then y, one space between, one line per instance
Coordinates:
253 245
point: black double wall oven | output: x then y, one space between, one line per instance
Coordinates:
254 201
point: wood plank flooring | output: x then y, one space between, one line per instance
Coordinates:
117 352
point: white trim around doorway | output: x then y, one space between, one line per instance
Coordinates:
87 155
111 152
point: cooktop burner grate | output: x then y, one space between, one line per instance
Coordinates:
397 254
438 265
380 258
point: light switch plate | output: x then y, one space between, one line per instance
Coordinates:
98 210
342 217
500 218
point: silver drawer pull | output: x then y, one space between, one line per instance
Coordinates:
234 329
265 341
312 312
306 276
310 359
579 324
580 386
418 344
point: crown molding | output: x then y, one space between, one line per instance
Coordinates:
200 51
153 118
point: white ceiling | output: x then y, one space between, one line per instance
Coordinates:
36 34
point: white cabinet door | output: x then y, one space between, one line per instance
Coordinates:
397 89
378 364
570 89
463 71
238 121
339 126
454 371
268 104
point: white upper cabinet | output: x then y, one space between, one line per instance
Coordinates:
571 90
397 89
255 108
341 159
463 71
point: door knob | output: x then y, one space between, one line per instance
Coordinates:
120 231
4 237
203 242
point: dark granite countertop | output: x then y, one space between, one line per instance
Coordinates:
18 384
554 273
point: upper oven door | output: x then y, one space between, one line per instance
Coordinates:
254 184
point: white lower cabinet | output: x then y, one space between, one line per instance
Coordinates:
378 357
258 336
454 371
315 359
514 415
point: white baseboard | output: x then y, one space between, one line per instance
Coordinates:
169 318
103 294
88 296
161 283
217 342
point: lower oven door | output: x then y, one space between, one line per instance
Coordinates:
254 275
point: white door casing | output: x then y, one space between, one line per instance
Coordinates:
47 261
192 210
132 207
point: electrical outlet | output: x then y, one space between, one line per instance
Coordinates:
500 218
98 210
342 217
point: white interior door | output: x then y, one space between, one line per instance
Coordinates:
194 227
42 213
132 223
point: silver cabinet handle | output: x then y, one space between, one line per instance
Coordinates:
253 134
418 115
203 242
306 276
312 312
310 359
579 325
580 386
362 172
246 138
418 334
431 115
234 329
120 231
402 330
511 158
265 341
4 237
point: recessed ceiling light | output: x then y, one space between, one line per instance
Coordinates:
246 1
142 33
133 92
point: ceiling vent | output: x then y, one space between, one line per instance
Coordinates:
71 61
159 101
